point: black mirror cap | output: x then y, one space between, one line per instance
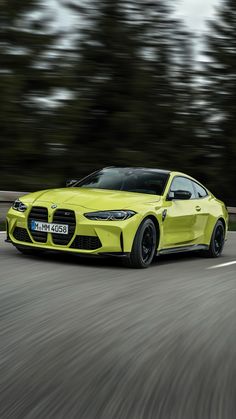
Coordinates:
71 182
184 195
180 195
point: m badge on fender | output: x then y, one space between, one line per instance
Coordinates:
164 214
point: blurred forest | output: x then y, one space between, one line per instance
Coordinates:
123 86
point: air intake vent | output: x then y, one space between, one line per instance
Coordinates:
38 214
21 234
67 217
86 243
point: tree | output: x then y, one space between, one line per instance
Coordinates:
26 76
219 96
127 89
106 70
173 102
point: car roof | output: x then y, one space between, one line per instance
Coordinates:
151 169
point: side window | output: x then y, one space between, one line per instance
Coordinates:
201 192
182 184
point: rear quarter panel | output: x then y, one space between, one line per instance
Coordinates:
217 211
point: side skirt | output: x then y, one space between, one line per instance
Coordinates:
115 254
182 249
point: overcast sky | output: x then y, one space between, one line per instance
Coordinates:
197 12
194 12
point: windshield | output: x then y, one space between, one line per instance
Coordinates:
145 181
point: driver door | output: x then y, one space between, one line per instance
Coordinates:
181 215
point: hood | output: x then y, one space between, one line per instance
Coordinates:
95 199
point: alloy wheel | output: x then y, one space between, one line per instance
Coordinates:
148 244
219 239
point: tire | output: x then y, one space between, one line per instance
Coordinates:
217 241
144 246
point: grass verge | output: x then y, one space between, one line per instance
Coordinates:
232 226
2 226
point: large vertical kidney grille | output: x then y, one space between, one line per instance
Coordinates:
38 214
64 216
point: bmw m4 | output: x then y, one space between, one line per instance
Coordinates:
134 213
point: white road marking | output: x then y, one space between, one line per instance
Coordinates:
222 265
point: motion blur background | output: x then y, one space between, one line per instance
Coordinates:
91 83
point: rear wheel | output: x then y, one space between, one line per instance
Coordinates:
144 246
217 241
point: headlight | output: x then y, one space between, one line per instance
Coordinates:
19 206
110 215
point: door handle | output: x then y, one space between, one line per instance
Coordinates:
198 209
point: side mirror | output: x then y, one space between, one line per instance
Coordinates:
71 182
180 195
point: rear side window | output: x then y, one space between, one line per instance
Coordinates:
200 191
182 184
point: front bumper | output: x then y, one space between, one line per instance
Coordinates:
89 237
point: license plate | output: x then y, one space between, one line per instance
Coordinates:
49 227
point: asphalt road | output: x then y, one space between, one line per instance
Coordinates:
90 339
3 211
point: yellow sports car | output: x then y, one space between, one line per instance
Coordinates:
135 213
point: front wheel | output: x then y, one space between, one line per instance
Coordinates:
217 241
144 246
